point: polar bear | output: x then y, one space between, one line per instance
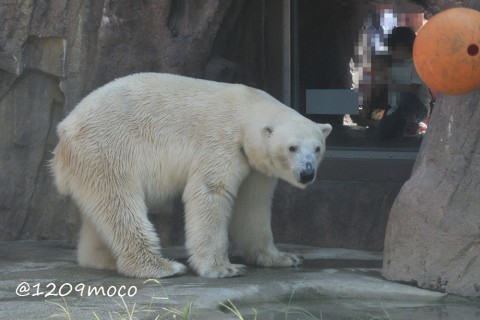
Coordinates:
146 138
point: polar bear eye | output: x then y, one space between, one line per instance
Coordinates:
293 149
317 149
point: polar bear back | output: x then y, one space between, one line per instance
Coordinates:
142 100
161 127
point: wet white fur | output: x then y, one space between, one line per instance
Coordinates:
146 138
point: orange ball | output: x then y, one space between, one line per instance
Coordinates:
446 52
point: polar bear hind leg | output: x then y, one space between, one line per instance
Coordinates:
250 228
120 215
92 252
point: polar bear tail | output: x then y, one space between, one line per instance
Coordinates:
60 166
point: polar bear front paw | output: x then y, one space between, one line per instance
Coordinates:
277 259
290 260
150 268
227 270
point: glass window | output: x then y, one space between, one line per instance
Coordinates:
344 72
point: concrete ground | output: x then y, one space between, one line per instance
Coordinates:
332 284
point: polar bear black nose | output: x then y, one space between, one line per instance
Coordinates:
308 174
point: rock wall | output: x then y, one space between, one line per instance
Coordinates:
52 53
338 214
433 233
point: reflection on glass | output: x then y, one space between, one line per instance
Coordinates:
345 72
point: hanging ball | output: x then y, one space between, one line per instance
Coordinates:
446 51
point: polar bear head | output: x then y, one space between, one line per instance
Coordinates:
290 150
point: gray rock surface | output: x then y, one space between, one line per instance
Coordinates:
334 284
53 53
433 233
344 214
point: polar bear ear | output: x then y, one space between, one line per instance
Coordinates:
326 129
267 131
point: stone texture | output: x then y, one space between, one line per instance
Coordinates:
342 214
52 53
433 233
332 284
435 6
